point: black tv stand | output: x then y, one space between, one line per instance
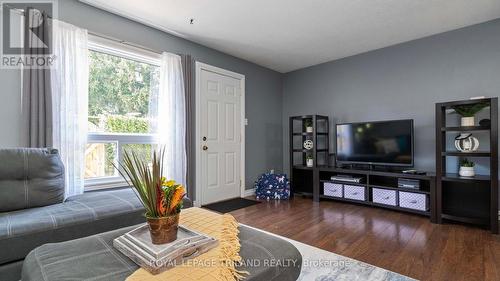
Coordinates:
373 181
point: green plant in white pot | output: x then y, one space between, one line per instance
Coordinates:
308 124
466 168
309 161
468 111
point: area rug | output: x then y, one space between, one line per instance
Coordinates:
230 205
321 265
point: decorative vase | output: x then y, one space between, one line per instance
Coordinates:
309 129
310 162
163 230
465 142
466 172
308 144
467 121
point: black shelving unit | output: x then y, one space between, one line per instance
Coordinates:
301 176
471 200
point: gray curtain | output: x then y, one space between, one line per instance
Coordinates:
188 71
37 99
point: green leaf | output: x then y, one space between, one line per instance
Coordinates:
469 110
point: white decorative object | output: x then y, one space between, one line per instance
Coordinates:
466 172
477 98
310 162
308 144
309 129
465 142
467 121
136 244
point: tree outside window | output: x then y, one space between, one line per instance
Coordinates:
122 97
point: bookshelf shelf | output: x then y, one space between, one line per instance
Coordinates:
302 176
472 200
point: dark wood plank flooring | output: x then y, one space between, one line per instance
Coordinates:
404 243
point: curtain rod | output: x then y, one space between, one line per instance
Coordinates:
20 11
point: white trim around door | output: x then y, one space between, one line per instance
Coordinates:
199 68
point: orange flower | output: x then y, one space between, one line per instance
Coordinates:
160 197
176 198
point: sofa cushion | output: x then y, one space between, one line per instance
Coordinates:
30 177
79 216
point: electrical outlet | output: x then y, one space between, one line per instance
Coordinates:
246 122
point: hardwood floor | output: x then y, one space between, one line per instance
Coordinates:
404 243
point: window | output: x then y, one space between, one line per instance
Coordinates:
123 87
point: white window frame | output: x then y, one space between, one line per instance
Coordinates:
110 47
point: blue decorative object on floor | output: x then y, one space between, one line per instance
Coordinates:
272 186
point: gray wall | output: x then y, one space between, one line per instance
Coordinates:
401 81
11 117
263 86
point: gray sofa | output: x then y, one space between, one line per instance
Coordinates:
32 211
34 222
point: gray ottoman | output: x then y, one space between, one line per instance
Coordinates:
94 258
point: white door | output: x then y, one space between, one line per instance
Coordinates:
220 133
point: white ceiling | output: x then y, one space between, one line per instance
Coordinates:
286 35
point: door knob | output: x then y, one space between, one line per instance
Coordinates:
205 147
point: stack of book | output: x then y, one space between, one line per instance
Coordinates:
136 244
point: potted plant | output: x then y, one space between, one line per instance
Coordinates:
161 198
466 168
308 124
467 111
309 161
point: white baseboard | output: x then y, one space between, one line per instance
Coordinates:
249 192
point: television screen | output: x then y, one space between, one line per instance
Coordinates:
377 143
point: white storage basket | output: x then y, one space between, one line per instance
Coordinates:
415 201
332 189
354 192
384 196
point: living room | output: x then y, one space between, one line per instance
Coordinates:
282 140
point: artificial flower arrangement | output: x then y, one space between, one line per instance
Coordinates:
161 198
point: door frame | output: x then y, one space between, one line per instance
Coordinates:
203 66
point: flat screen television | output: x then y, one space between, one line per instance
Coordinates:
385 143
